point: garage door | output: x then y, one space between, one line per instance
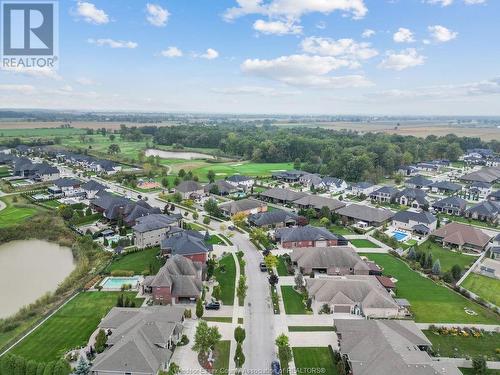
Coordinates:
341 309
320 243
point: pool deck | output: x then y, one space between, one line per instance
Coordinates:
133 279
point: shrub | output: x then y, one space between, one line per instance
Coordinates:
122 273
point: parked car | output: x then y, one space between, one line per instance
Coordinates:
214 305
231 227
263 267
275 368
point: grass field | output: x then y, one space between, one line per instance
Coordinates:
221 364
469 371
430 302
465 347
467 221
16 212
40 132
362 243
215 240
226 279
281 267
314 360
310 328
222 170
138 262
70 327
219 319
446 257
293 301
485 287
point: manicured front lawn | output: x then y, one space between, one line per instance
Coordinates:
485 287
139 261
314 360
70 327
281 267
310 328
219 319
469 371
465 347
16 212
446 257
215 240
221 364
430 302
362 243
226 276
293 301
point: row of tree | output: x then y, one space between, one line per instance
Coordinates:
15 365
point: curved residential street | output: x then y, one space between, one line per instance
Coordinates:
259 318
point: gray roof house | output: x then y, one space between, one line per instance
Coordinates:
187 243
114 208
354 295
420 222
288 176
489 175
495 196
279 195
382 347
485 211
222 186
451 205
188 188
418 182
384 194
445 187
370 215
274 218
329 260
142 340
308 236
412 197
247 206
318 202
149 230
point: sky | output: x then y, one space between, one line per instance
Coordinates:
366 57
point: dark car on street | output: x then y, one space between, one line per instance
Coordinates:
263 267
214 305
275 368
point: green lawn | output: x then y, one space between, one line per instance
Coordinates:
16 212
310 328
465 347
362 243
293 301
52 203
223 170
215 240
430 302
469 371
485 287
226 279
219 319
40 132
138 262
70 327
446 257
281 267
314 360
221 364
465 220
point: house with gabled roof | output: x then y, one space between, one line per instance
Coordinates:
189 189
361 213
333 185
308 236
273 219
494 196
450 205
317 202
220 187
418 182
485 211
420 222
247 206
479 189
150 230
462 237
280 195
92 188
445 187
385 194
363 188
188 243
487 174
412 197
288 176
240 181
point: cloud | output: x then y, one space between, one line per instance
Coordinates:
346 48
36 72
84 81
403 35
443 3
113 43
91 14
321 25
277 27
210 54
20 89
474 2
368 33
255 90
294 9
441 34
172 52
304 70
157 16
402 60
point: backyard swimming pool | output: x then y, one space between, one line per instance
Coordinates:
399 236
117 282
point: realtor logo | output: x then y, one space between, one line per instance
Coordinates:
29 34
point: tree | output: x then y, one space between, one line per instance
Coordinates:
211 176
212 208
456 272
199 308
299 281
177 197
479 366
195 216
241 290
119 301
284 351
66 212
82 367
100 341
412 255
31 367
324 222
174 369
206 220
112 137
216 292
271 261
49 368
239 334
205 338
164 182
436 268
324 212
296 164
273 280
214 189
62 367
88 211
239 357
113 149
181 173
239 219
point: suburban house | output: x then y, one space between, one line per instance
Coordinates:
450 205
240 181
417 182
288 176
407 170
189 189
308 236
149 230
384 347
385 194
445 187
178 281
485 211
495 196
363 188
246 206
419 222
479 190
69 187
273 219
495 248
412 197
311 180
333 184
92 188
220 187
280 195
142 340
493 162
488 174
371 216
338 261
428 166
25 168
188 243
45 172
355 295
462 237
317 202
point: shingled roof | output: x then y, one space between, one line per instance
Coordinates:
307 233
318 202
272 217
489 175
325 257
419 217
286 195
366 213
155 221
186 243
461 234
233 207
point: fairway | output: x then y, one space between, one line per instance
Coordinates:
223 170
70 327
314 360
14 213
138 261
485 287
430 302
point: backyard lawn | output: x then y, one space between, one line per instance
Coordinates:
446 257
314 360
293 301
281 267
465 347
430 302
485 287
16 212
221 364
226 276
138 262
215 240
70 327
362 243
